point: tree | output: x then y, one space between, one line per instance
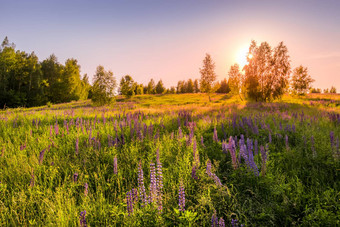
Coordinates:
181 87
104 85
235 79
315 90
301 80
190 86
196 86
139 89
160 87
332 90
151 87
127 86
224 87
208 75
172 90
267 71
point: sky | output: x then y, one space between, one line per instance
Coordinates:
168 39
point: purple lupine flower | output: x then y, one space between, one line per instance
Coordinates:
215 137
41 156
75 177
129 202
153 184
251 162
293 128
232 149
270 137
180 134
159 183
193 172
134 192
82 219
286 141
181 197
208 171
77 146
234 222
141 186
115 166
214 220
86 189
331 136
217 180
56 129
202 143
221 223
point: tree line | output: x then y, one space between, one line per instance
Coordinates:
25 81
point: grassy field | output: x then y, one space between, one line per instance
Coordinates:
165 160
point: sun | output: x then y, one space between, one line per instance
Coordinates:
241 56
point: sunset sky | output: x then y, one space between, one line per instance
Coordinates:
168 39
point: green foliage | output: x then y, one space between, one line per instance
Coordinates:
24 81
301 80
208 75
127 86
223 87
267 72
300 187
160 89
104 85
235 79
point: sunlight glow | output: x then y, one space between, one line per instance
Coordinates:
241 57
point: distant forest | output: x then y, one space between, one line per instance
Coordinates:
25 81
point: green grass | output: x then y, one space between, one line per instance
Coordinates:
300 186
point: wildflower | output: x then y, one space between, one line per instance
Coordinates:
129 202
141 187
232 149
217 180
115 167
41 156
181 197
215 137
214 220
286 141
56 128
75 177
77 146
82 219
134 192
193 172
159 185
86 186
202 141
270 138
234 222
221 223
153 183
180 134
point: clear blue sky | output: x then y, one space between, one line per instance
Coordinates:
168 39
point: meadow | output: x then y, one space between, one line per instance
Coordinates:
172 160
